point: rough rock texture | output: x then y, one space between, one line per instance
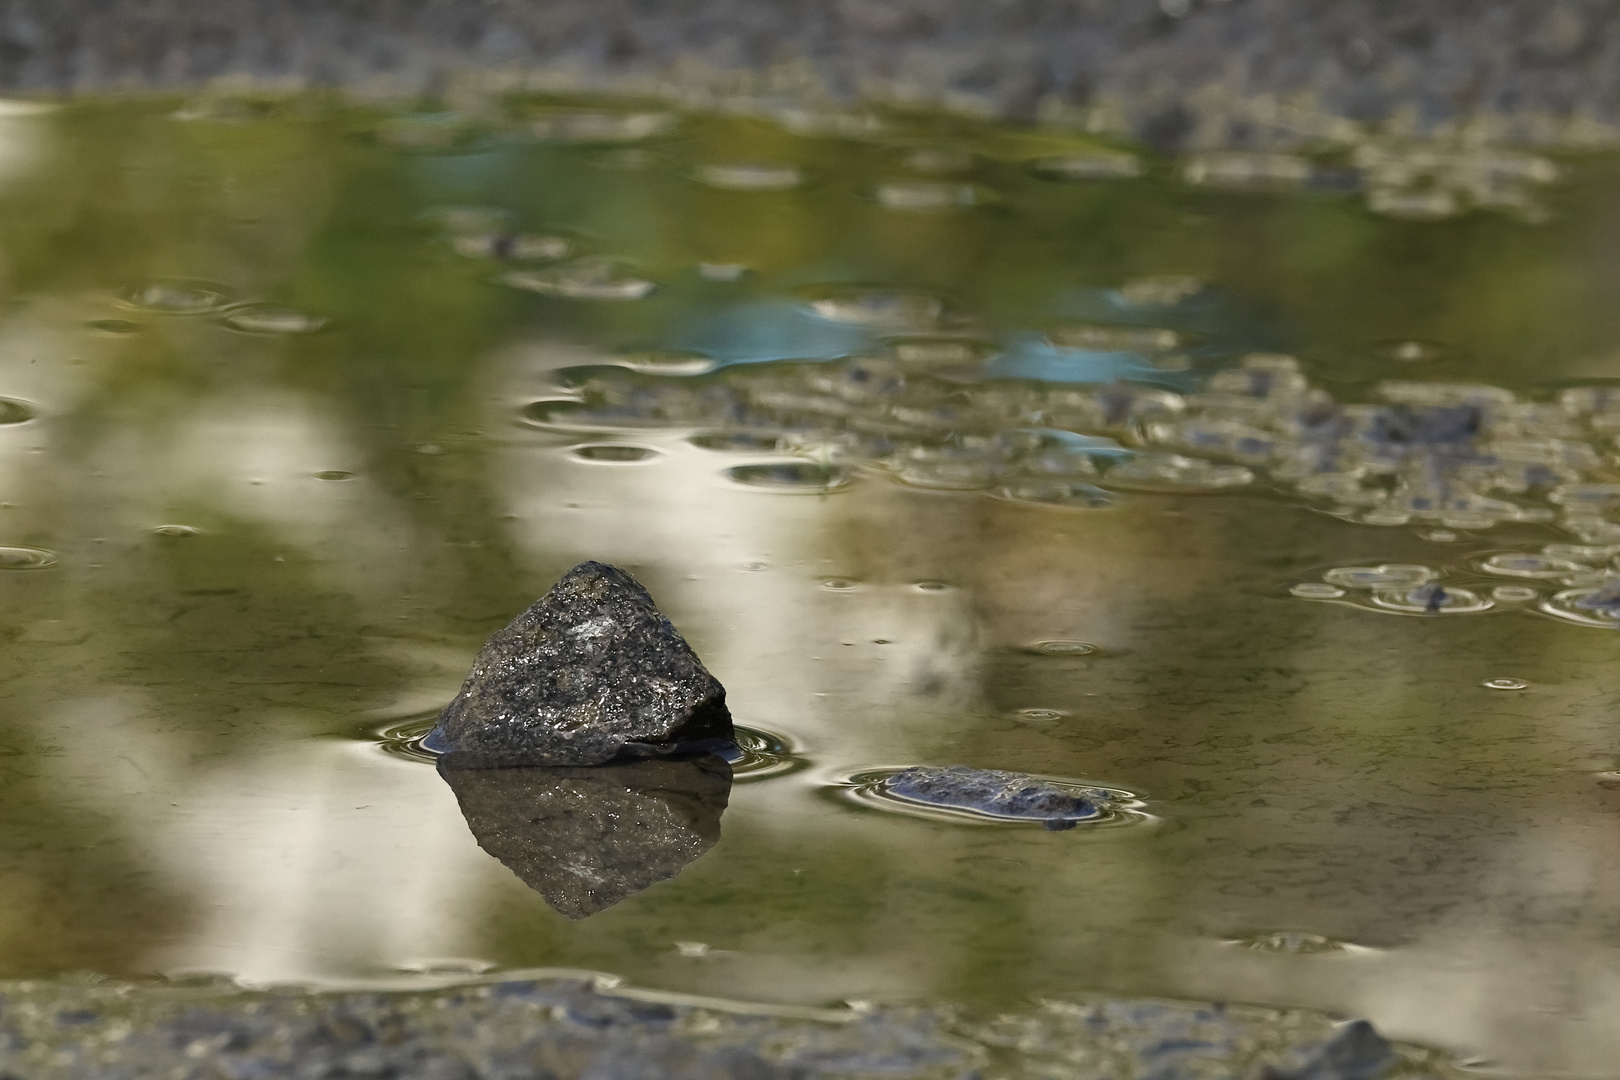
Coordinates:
587 838
993 792
589 672
550 1029
1172 72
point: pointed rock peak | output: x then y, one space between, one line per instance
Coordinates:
591 671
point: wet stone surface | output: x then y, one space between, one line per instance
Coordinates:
995 793
565 1029
590 671
586 838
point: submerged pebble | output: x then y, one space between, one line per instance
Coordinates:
991 795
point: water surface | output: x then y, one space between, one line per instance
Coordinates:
942 444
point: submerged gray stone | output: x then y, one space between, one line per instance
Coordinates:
586 838
996 793
591 671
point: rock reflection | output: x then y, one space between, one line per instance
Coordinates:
587 838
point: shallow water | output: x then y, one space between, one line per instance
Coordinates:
303 402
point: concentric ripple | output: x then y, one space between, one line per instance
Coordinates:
758 754
26 558
177 296
755 755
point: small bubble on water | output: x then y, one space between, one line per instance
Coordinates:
1439 536
754 566
268 319
512 247
1055 493
600 125
1087 166
938 160
838 584
722 271
113 327
692 948
1588 605
1175 473
667 362
1521 564
13 411
1063 647
1514 594
1168 290
334 474
1388 574
736 442
1042 714
928 351
749 176
798 477
898 308
1316 590
175 530
584 279
1413 350
26 558
931 586
612 453
925 195
1421 204
1431 599
177 297
1505 683
1101 337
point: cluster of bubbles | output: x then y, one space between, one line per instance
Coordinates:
179 297
927 411
1424 182
1577 583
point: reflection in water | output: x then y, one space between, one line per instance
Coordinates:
227 555
586 838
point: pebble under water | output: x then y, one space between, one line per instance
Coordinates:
1103 465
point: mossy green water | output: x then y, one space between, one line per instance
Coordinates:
270 546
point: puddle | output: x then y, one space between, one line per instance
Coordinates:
337 392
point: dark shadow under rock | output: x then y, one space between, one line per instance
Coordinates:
586 838
590 672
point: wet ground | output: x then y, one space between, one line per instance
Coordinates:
1264 504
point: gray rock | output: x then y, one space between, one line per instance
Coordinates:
590 672
587 838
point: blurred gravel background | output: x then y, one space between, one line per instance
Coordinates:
1176 74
